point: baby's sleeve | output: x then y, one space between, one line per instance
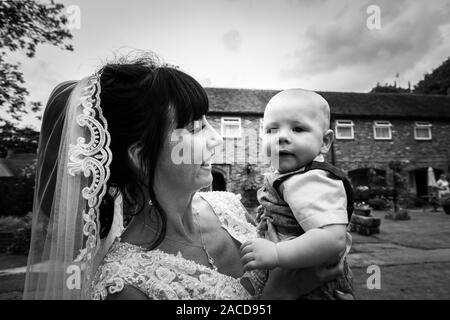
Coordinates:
316 199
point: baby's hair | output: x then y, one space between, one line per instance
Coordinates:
323 106
325 109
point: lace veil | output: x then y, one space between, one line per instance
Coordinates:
71 180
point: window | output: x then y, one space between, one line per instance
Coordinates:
230 127
382 130
422 131
344 129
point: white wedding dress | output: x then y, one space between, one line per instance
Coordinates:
161 275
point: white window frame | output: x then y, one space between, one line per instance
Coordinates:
346 124
382 124
230 120
422 125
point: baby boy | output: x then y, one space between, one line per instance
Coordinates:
308 200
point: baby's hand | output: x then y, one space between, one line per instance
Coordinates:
259 254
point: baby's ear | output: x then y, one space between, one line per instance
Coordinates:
328 139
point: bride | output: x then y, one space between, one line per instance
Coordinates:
108 149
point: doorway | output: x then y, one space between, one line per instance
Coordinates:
218 183
419 180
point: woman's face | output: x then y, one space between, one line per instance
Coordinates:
185 160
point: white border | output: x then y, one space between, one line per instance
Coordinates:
422 125
223 121
382 124
339 124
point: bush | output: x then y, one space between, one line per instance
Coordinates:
21 230
21 241
16 194
413 201
401 214
379 204
10 224
381 192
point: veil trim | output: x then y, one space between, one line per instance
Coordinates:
91 158
74 159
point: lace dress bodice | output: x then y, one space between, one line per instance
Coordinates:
161 275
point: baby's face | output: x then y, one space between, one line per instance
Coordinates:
294 127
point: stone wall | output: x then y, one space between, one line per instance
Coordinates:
366 152
363 151
233 158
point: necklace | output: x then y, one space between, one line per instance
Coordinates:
210 259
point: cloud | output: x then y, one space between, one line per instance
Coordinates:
41 77
409 31
308 2
232 40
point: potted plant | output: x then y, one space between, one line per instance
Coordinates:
361 193
399 190
362 209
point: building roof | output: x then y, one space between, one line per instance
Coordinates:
13 165
348 104
4 170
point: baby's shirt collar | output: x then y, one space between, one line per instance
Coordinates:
319 158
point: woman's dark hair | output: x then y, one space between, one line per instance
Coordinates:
140 102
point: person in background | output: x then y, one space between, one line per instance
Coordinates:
443 186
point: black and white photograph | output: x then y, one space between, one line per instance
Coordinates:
231 150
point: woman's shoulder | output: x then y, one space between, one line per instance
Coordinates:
225 203
109 278
221 195
231 213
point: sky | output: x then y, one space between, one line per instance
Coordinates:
326 45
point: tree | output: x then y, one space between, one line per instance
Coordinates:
20 140
436 82
389 88
25 25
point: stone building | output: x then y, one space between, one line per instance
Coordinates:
371 130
